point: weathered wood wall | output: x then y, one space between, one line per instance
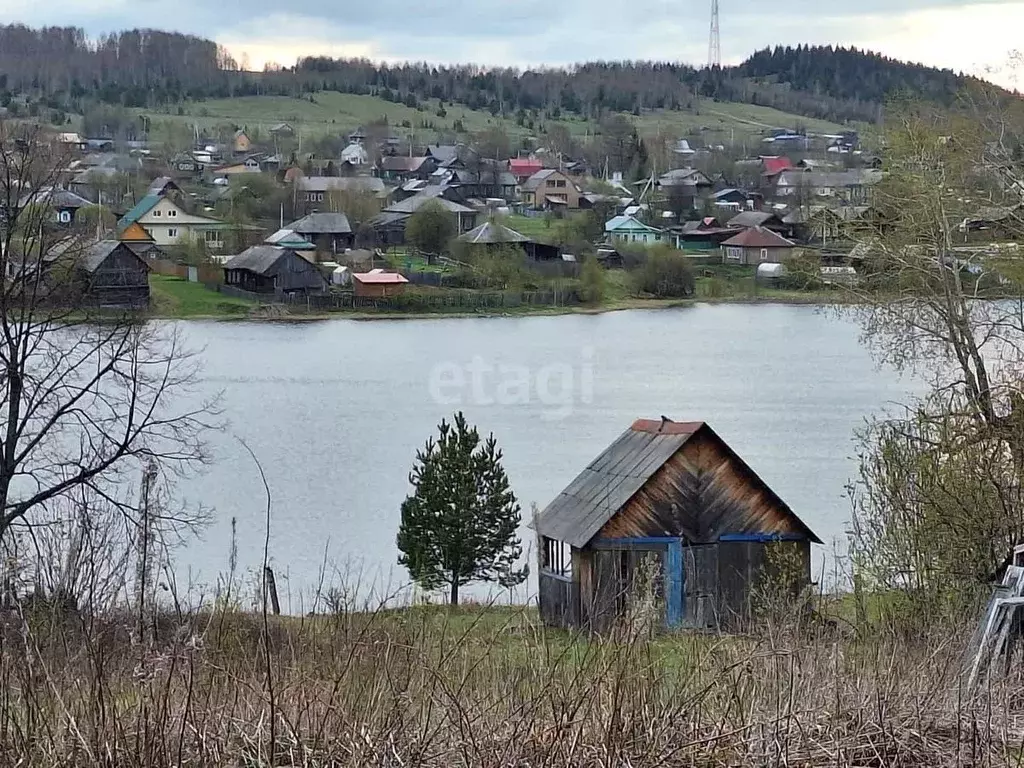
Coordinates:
703 491
559 601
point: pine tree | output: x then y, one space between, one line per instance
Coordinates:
460 523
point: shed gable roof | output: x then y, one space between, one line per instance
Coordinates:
604 487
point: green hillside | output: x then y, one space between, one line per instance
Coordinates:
330 112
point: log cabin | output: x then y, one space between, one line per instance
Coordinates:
674 498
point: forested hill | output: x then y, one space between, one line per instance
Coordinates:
62 69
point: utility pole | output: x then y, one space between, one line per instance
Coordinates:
714 39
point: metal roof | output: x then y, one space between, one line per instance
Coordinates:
322 224
491 233
144 206
258 258
414 203
611 480
580 511
758 237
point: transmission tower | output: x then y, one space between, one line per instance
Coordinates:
714 39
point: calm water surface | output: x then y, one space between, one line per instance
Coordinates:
336 410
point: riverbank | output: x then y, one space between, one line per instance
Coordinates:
177 299
483 687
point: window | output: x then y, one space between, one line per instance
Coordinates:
560 183
172 213
557 557
157 214
764 254
734 254
64 217
172 232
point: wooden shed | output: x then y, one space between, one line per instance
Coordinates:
675 496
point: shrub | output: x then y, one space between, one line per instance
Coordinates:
666 274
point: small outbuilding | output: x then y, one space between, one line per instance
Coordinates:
756 245
672 498
378 284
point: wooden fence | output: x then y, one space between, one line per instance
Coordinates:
441 301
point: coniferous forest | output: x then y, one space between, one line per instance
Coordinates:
65 70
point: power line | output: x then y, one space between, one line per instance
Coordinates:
714 39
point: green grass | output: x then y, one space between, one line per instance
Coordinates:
541 228
336 113
174 297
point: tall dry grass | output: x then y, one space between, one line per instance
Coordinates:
483 687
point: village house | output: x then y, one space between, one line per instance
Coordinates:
401 169
465 217
328 232
271 270
524 167
765 219
550 189
313 193
756 245
378 284
62 203
168 223
853 187
77 272
281 131
241 144
140 241
628 229
491 236
667 510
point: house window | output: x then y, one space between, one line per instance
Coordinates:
734 254
557 557
172 213
172 232
157 214
764 254
64 217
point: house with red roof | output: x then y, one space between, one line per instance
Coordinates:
524 167
756 245
773 165
378 284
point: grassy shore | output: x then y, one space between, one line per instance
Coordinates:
484 687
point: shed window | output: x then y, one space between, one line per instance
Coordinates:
557 557
764 254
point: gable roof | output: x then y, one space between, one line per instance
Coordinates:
259 258
144 206
287 238
135 233
95 254
607 484
161 184
627 222
322 224
758 237
772 165
492 233
542 175
417 201
354 183
55 198
750 219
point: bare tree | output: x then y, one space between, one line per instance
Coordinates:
88 397
953 312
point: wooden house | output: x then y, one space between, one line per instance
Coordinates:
78 273
329 232
491 236
675 498
551 189
269 269
754 246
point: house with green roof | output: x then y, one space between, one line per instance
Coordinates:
628 229
167 223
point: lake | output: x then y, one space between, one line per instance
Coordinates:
336 410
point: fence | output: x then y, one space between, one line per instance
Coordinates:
442 301
207 274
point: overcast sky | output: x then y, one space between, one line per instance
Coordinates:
976 37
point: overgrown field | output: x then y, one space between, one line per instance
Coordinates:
485 687
335 113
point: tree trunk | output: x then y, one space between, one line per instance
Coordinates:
454 595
